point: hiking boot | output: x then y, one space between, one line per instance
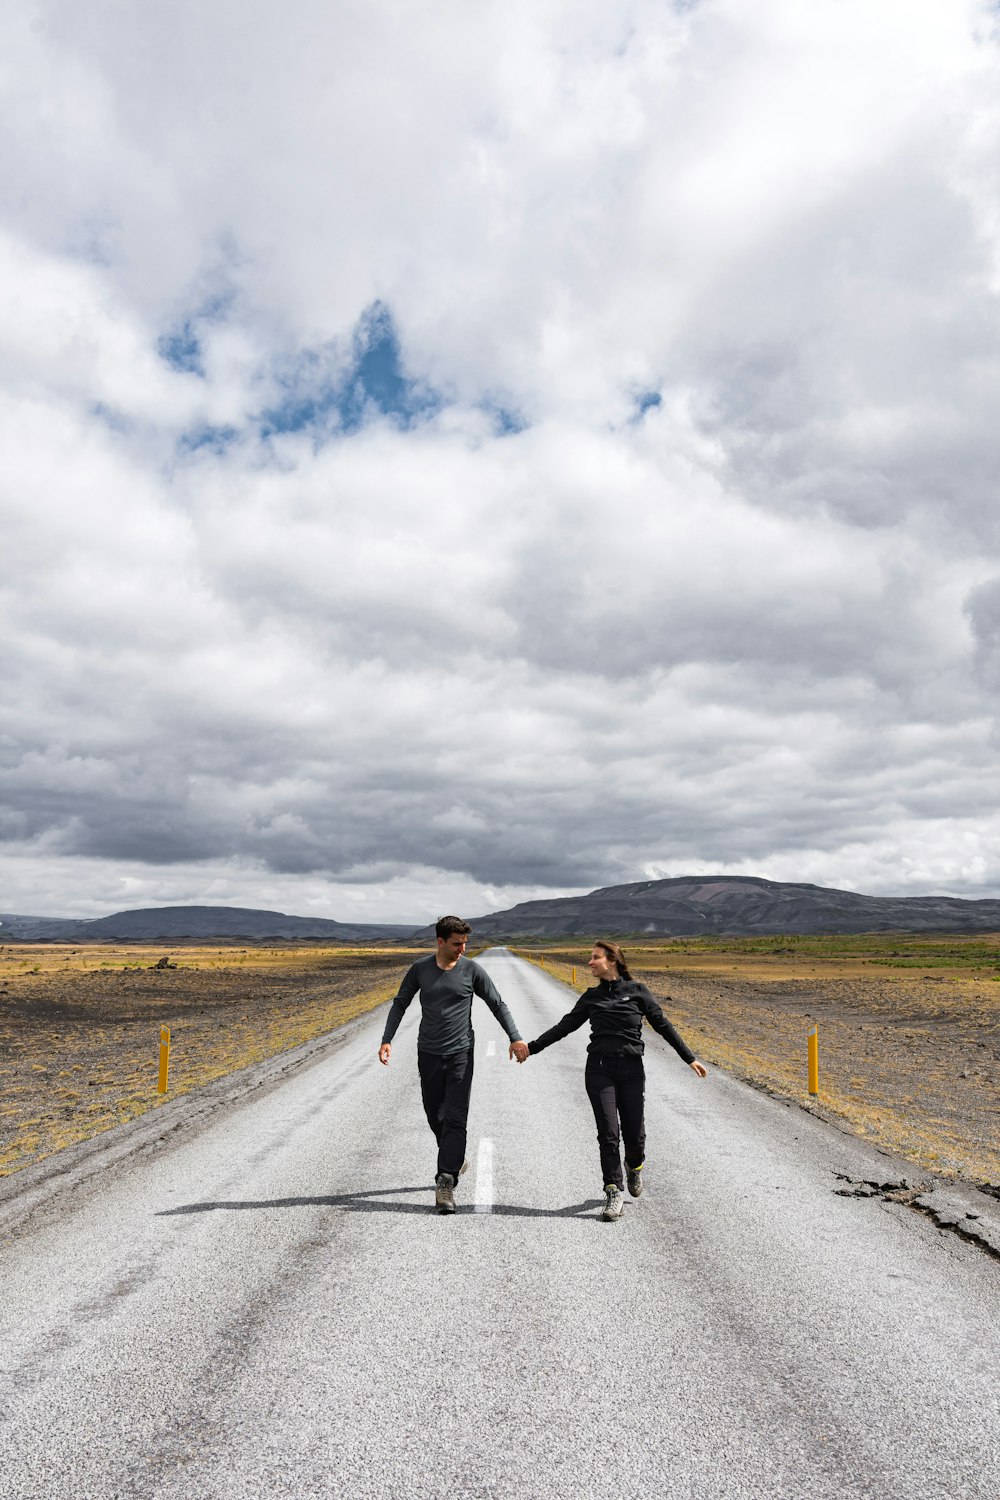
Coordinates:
635 1180
444 1193
614 1202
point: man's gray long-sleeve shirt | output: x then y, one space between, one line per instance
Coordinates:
446 1005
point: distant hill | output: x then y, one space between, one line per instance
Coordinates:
685 906
730 906
194 924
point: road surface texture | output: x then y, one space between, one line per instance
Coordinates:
266 1305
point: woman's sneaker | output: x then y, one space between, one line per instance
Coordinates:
614 1202
635 1180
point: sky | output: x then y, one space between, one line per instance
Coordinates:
460 453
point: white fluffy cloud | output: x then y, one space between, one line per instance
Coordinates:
455 454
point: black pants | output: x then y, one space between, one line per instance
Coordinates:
616 1086
445 1086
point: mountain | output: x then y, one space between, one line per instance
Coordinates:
729 906
196 924
687 905
14 929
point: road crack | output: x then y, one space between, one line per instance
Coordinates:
979 1228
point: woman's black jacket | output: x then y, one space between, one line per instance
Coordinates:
615 1009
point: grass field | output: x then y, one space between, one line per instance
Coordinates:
909 1030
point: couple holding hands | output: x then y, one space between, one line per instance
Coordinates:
614 1076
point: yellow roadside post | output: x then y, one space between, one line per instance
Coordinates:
814 1061
574 976
164 1059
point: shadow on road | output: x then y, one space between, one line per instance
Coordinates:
374 1202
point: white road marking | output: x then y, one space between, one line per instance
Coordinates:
491 1047
484 1178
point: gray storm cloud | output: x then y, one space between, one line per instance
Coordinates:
452 457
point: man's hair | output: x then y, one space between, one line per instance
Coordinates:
616 956
447 927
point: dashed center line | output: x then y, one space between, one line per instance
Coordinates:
491 1047
484 1178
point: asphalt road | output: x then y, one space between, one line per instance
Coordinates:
270 1307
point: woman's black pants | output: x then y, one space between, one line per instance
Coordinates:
616 1086
445 1086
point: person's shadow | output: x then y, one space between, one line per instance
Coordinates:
370 1201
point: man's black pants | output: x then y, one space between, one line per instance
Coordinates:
445 1086
616 1086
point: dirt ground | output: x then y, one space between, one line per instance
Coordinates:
80 1028
910 1060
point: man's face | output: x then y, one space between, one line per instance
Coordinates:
450 949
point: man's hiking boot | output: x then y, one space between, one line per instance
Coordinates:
614 1202
635 1180
444 1193
444 1189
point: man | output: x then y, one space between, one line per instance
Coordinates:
447 982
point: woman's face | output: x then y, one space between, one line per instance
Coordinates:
601 966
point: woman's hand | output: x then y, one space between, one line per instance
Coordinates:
699 1068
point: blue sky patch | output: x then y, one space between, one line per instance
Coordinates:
321 393
182 350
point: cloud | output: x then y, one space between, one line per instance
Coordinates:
453 456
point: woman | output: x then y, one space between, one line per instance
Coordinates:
615 1079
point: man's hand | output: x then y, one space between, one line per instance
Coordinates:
518 1050
699 1068
385 1052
